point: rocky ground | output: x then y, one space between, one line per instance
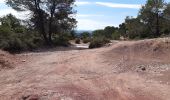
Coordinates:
123 70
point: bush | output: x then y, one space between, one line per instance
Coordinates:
61 40
77 41
4 44
86 40
85 35
13 45
16 45
98 42
19 30
116 36
16 42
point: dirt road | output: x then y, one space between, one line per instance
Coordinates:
85 75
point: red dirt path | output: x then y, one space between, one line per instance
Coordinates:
126 70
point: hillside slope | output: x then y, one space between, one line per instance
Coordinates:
126 70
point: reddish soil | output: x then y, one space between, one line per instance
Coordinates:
126 70
6 60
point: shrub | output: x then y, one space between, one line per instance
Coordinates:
98 33
19 30
85 35
86 40
60 41
77 41
4 44
98 42
16 42
14 45
32 43
116 35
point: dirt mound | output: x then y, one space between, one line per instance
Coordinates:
153 49
6 60
141 54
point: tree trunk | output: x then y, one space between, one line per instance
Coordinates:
50 30
50 21
45 38
157 25
41 21
42 28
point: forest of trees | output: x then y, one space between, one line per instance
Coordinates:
51 23
152 21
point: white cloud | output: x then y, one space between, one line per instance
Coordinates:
88 24
2 1
20 15
82 3
7 11
116 5
84 20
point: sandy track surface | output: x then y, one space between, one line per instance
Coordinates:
98 74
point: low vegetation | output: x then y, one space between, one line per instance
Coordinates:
77 41
86 40
14 36
101 37
152 21
98 42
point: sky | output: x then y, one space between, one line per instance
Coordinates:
94 14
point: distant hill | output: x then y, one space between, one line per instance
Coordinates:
81 31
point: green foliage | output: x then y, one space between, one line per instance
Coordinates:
72 35
10 21
102 37
5 31
86 40
20 29
165 28
115 35
85 35
15 45
151 16
11 43
61 40
13 36
109 31
47 17
98 42
135 29
122 29
153 21
98 33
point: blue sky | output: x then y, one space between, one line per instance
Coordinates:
95 14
